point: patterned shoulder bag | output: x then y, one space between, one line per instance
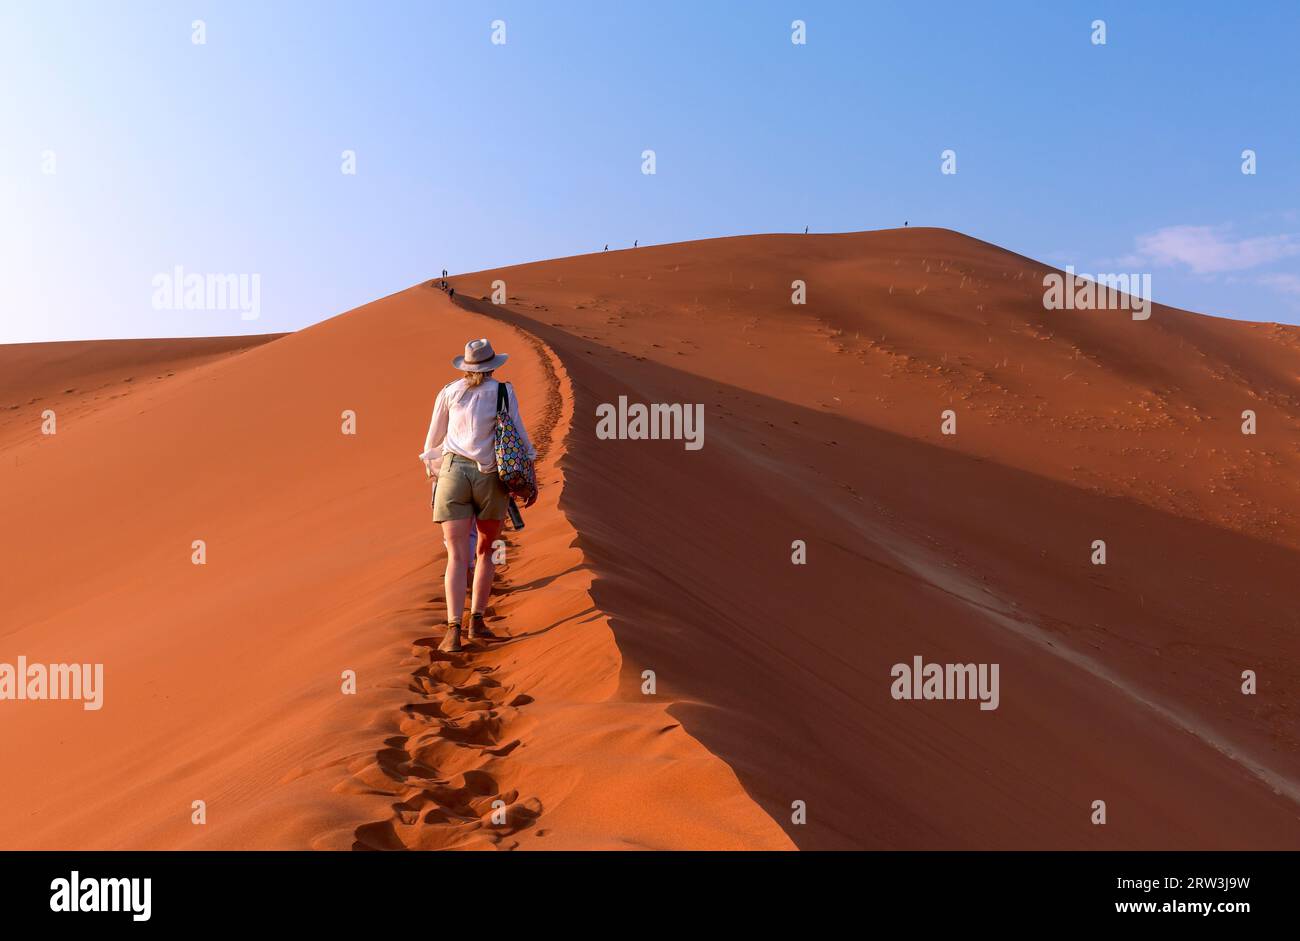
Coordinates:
514 466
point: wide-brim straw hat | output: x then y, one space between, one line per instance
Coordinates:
479 357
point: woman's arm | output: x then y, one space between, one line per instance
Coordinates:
437 434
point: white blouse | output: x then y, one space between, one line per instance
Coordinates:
464 421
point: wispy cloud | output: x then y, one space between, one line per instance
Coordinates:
1211 250
1284 282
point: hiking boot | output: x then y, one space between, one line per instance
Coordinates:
478 630
451 642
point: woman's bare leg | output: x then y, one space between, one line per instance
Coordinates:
488 531
455 536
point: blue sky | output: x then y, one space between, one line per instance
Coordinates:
225 157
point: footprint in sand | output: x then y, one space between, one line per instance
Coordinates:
439 768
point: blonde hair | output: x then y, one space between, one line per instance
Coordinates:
473 379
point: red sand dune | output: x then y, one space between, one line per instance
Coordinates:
76 378
1119 683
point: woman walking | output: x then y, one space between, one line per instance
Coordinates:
468 493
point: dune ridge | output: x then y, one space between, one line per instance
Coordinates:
224 681
498 737
77 377
825 425
643 558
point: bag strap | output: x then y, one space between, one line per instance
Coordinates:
503 398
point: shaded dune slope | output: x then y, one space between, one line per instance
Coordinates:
1120 682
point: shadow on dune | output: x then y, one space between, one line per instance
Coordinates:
1119 683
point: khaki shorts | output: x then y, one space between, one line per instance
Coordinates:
463 491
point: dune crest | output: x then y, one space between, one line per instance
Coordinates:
896 455
826 426
225 682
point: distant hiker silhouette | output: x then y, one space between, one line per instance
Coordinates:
905 223
805 230
606 246
452 292
634 243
